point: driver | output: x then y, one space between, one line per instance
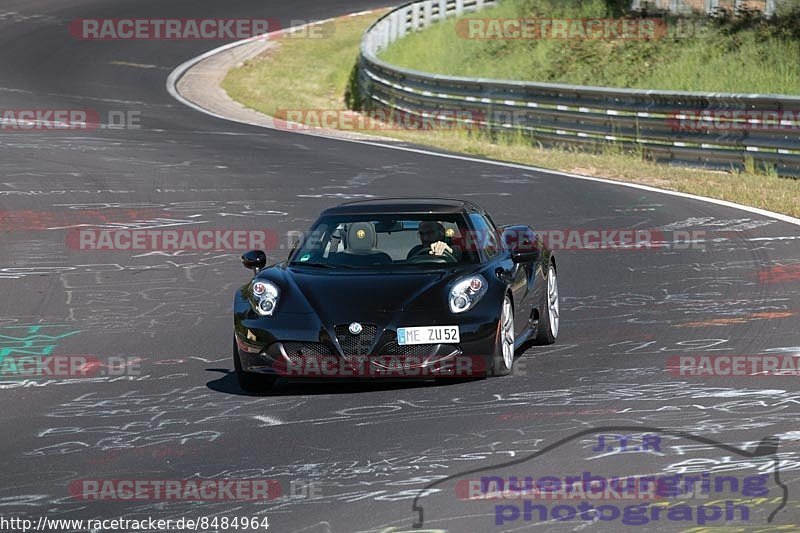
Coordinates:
431 234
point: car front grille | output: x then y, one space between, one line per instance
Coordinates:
419 350
299 352
358 344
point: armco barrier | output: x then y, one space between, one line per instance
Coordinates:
557 114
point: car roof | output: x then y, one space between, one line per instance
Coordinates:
404 206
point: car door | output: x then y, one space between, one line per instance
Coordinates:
517 275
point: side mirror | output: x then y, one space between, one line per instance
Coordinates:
522 242
254 260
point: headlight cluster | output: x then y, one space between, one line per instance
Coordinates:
265 297
466 293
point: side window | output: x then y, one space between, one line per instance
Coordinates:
485 237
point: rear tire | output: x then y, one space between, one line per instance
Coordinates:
247 381
547 330
503 358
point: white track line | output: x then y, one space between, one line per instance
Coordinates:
177 74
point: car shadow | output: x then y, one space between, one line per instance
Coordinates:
228 384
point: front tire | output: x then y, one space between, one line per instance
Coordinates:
247 381
547 331
503 358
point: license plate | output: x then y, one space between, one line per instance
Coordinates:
428 335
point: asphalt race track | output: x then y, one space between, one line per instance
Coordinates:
347 457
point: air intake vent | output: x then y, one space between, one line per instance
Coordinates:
356 344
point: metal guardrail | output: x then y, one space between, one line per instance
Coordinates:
711 7
660 123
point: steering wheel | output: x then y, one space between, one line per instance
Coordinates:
423 255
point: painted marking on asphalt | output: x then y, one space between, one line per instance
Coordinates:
268 420
737 320
134 65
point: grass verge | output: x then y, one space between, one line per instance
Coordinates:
312 74
745 54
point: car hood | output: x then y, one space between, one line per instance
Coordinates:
341 296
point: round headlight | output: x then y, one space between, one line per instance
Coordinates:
265 297
466 293
267 305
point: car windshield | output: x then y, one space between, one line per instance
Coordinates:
381 241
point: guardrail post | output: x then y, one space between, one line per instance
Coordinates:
442 9
402 19
392 28
427 15
459 7
415 25
385 31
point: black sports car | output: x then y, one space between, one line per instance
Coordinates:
420 288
